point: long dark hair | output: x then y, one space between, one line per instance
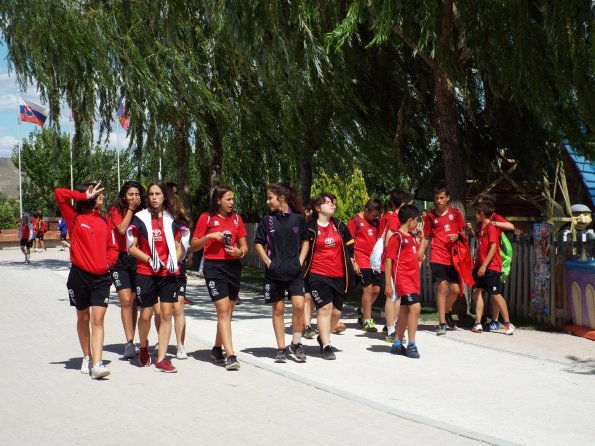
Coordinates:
318 200
216 195
169 205
84 206
288 191
398 198
120 203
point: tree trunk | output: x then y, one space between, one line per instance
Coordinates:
182 162
306 174
445 112
217 152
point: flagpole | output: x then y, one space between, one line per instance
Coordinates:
20 149
70 138
118 151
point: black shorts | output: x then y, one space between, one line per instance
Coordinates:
63 235
491 281
26 242
153 289
325 290
39 236
442 272
87 290
410 299
274 290
124 272
370 277
223 278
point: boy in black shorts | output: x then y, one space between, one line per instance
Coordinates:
488 267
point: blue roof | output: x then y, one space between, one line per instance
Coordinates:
586 169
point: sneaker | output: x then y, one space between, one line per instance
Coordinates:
450 322
340 328
398 349
143 357
385 329
411 351
477 328
217 354
297 350
86 365
232 363
99 371
360 317
27 260
129 350
389 339
156 350
509 328
61 249
281 356
165 366
441 331
181 352
369 326
492 326
328 353
309 332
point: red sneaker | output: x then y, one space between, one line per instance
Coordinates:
165 366
143 357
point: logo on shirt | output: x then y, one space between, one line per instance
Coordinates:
435 222
329 242
451 217
447 228
84 225
157 235
295 229
370 232
215 222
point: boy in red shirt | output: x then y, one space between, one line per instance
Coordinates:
401 269
444 225
364 230
488 267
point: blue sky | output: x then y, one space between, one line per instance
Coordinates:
9 106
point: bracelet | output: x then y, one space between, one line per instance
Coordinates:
242 254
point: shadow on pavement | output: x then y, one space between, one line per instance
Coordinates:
581 366
51 264
74 363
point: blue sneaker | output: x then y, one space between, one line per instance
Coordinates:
398 349
411 352
493 326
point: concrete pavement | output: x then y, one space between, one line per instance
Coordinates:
530 388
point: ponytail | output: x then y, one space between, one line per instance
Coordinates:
288 191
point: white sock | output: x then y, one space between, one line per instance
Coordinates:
297 337
390 330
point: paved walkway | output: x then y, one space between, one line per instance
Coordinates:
531 388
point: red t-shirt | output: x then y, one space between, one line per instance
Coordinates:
215 249
328 253
402 249
25 233
365 236
117 218
488 234
388 220
438 227
497 218
160 247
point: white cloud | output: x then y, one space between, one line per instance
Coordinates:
7 143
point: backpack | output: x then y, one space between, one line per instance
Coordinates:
506 253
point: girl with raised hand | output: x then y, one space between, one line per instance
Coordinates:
158 239
131 199
284 233
222 234
329 269
93 251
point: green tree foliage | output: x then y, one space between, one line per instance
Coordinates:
9 212
45 162
351 192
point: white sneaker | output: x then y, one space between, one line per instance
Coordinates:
129 350
181 353
86 365
509 328
99 371
477 328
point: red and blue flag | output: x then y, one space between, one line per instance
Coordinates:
33 112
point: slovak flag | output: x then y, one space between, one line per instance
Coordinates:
123 115
33 112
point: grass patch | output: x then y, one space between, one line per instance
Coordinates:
253 276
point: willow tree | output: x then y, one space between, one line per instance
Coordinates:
535 56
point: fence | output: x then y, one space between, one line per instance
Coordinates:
531 292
